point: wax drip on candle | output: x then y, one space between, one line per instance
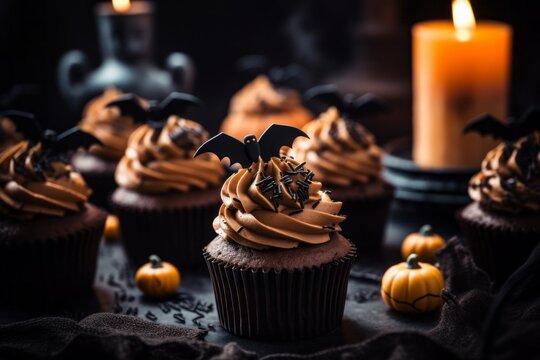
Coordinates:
121 6
464 21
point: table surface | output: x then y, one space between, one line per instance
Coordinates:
365 313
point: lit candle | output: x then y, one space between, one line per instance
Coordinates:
460 71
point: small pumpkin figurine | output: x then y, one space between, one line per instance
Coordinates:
412 286
423 243
112 228
157 279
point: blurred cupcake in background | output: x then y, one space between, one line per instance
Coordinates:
260 104
98 164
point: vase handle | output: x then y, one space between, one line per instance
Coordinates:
182 70
72 71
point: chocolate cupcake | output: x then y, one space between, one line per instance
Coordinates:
49 234
502 225
344 156
166 200
98 164
279 266
259 104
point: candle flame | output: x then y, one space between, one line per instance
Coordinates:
121 5
464 21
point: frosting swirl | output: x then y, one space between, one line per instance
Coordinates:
509 179
157 162
260 97
32 183
340 151
106 124
8 133
276 205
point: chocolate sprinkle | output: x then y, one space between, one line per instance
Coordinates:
315 204
240 229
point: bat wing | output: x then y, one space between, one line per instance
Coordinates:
25 123
487 124
529 122
327 94
365 105
276 136
225 146
176 104
130 105
73 139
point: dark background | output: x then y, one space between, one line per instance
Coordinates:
35 34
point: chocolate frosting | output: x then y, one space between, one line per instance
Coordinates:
107 125
509 179
340 151
260 97
8 133
33 183
157 162
276 205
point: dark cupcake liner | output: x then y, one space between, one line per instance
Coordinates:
366 220
176 234
102 186
497 250
45 272
280 305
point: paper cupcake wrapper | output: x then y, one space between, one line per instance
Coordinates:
280 305
498 251
49 271
366 221
177 235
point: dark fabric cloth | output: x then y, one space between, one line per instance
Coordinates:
475 323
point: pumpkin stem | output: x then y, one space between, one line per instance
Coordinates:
412 262
426 230
155 261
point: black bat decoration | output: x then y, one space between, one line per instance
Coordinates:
292 75
53 143
247 152
350 105
156 113
513 129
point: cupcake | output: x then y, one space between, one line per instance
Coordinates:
344 156
166 199
99 163
259 104
502 224
49 234
279 265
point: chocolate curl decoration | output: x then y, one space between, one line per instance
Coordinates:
247 152
513 129
157 113
349 105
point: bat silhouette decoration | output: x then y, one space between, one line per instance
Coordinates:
247 152
156 114
350 105
52 142
513 129
291 75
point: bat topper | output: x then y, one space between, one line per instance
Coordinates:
291 76
349 105
513 129
247 152
53 143
157 113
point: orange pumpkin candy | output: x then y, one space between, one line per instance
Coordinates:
412 287
424 244
157 279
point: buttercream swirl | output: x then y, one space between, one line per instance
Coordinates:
33 183
276 205
106 124
341 152
159 164
8 133
260 97
509 179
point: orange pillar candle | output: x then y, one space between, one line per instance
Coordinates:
460 71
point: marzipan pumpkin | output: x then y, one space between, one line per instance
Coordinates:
157 279
412 287
423 243
112 228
